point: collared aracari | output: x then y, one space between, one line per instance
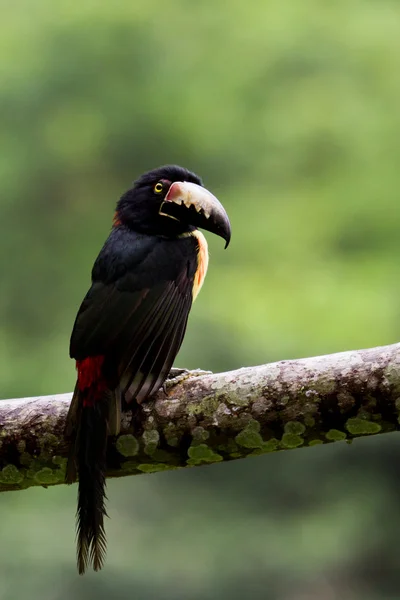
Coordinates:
131 324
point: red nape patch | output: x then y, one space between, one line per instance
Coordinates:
116 220
90 378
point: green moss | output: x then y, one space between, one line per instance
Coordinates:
392 375
154 467
194 408
60 461
47 476
25 459
162 456
250 437
207 406
127 445
30 473
309 421
324 386
151 440
21 446
48 439
35 465
129 465
210 405
169 431
364 414
334 435
232 399
173 442
200 434
357 426
11 475
270 446
45 456
202 454
170 435
294 428
229 446
291 440
315 442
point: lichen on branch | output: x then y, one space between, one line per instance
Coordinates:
200 418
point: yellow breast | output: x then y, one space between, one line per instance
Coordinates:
202 262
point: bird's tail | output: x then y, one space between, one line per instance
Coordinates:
93 415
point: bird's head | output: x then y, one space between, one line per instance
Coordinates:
170 201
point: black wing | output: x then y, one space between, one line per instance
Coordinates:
136 311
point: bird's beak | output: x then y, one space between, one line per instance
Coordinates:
193 204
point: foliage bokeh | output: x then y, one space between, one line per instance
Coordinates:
290 114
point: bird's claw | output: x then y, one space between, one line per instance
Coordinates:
175 372
176 376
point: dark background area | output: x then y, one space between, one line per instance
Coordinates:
290 113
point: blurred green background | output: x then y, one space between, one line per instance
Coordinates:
290 113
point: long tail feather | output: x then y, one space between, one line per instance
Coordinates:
88 430
91 459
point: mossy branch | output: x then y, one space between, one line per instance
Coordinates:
201 418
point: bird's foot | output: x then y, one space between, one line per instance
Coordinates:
176 373
176 376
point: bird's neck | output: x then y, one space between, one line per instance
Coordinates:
160 226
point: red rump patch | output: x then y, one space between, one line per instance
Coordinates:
91 379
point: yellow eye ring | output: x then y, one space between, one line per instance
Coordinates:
158 188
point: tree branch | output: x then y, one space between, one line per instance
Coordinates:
201 418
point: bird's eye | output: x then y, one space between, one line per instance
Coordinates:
158 188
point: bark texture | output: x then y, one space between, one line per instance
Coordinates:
201 418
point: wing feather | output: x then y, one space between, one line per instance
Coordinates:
138 319
159 355
166 355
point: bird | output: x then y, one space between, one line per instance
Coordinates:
131 324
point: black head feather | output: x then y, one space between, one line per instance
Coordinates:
139 207
169 173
